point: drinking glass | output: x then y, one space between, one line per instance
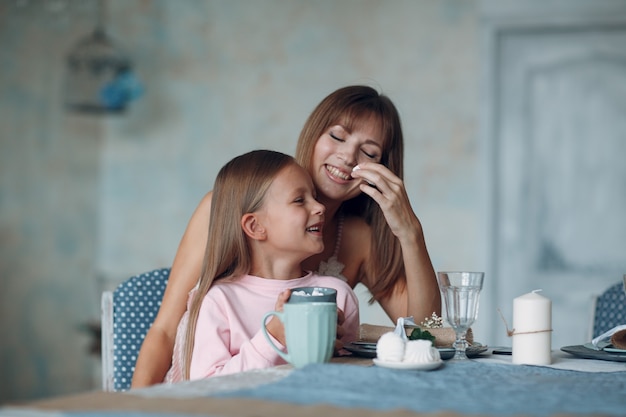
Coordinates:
460 292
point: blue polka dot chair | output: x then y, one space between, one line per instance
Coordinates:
127 314
609 309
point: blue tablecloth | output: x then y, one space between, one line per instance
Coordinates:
469 388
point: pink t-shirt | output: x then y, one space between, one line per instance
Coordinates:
228 335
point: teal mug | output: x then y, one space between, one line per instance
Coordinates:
310 332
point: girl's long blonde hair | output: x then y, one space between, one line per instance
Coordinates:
240 188
350 106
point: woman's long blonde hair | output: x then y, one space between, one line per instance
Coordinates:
240 188
350 106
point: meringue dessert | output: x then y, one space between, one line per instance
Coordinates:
421 351
391 347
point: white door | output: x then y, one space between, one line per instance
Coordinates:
558 169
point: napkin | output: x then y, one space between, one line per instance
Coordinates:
616 334
372 332
618 340
444 336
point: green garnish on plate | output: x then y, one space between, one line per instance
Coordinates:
418 333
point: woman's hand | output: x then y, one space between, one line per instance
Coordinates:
389 192
275 326
420 296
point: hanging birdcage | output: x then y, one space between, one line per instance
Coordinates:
99 75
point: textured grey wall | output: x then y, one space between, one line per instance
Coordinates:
86 202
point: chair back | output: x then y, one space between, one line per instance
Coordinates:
127 314
609 309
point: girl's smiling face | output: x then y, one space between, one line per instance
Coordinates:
291 216
338 151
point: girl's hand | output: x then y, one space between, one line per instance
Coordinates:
389 192
340 332
275 326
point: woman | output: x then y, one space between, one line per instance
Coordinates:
371 234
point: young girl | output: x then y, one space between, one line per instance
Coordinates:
372 235
265 221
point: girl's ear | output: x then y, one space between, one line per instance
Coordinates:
252 228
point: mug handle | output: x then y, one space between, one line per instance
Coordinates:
267 336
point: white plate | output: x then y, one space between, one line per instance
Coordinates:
614 350
408 366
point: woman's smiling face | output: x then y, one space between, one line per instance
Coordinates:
338 151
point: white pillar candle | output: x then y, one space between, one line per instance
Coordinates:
532 329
